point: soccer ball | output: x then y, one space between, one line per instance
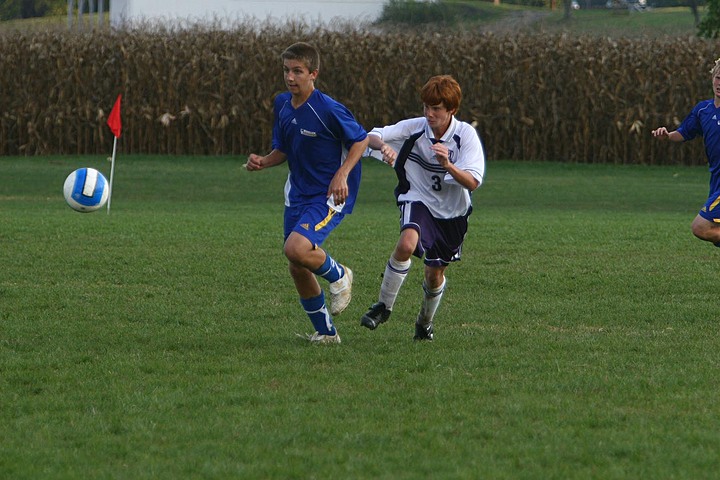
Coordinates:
86 190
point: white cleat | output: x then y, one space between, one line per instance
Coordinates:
341 293
317 338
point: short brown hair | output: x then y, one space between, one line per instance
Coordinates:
442 89
305 53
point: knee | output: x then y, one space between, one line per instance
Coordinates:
405 248
434 278
706 230
697 231
402 253
703 229
293 252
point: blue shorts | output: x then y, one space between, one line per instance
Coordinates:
314 221
711 210
441 239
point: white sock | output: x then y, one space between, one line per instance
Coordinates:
430 304
393 278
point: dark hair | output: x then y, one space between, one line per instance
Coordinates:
305 53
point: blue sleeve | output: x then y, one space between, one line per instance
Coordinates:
277 139
346 127
691 126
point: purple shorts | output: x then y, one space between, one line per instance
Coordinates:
440 239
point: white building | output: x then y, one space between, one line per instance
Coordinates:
193 11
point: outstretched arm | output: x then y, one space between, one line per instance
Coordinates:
388 154
663 133
256 162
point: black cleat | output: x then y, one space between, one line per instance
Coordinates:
375 316
423 333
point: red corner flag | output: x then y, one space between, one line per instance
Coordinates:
114 119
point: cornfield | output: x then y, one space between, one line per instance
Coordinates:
209 91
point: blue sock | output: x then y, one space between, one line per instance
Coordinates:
319 315
330 270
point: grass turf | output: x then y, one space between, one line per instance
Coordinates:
576 339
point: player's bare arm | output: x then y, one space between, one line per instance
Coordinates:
338 186
388 153
462 177
663 133
257 162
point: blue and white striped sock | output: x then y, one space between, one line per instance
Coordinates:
330 270
319 316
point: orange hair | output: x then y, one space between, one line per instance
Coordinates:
442 89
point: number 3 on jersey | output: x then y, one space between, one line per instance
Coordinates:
436 186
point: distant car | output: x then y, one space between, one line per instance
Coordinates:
575 5
637 5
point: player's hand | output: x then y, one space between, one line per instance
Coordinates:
254 162
388 154
441 154
661 133
338 189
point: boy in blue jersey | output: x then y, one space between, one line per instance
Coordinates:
322 143
704 120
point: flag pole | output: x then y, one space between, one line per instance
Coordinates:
112 174
115 125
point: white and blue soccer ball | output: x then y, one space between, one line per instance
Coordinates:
86 190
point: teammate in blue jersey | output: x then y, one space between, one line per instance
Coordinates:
322 143
704 120
439 161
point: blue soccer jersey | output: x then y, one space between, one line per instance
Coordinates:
704 120
315 138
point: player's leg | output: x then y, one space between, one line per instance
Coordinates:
299 251
307 260
707 230
706 225
433 288
443 240
316 224
398 266
302 258
304 237
396 269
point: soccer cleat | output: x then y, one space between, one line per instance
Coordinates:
376 315
318 338
341 293
423 333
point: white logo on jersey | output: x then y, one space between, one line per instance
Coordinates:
294 122
307 133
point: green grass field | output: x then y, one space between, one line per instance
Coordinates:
577 338
675 21
513 19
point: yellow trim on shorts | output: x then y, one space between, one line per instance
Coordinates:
326 220
714 204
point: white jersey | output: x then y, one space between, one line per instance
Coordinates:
421 178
